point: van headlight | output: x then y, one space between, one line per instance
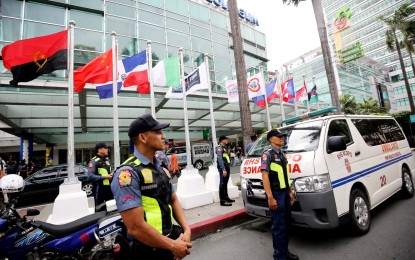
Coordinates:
318 183
243 183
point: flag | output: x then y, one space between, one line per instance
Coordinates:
175 92
270 91
197 79
301 94
134 72
313 95
166 72
287 91
97 71
255 85
232 91
28 59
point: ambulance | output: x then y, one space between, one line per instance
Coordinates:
341 167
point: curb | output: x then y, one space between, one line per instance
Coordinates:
206 227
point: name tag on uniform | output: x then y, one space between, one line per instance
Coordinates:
148 175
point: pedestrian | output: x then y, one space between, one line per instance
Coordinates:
224 171
99 172
238 155
161 155
233 155
22 168
11 165
3 167
174 164
32 167
146 199
254 137
276 180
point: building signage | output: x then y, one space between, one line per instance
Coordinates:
352 53
243 14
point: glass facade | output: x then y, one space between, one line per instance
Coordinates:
196 27
367 29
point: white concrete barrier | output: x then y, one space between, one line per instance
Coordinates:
191 190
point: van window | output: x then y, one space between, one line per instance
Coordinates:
378 131
340 128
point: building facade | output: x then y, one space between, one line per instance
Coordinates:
39 108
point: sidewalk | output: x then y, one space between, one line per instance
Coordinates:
202 220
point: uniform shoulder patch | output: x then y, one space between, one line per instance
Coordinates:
264 156
91 164
124 178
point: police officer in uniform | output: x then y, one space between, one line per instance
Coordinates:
276 179
146 199
99 172
224 170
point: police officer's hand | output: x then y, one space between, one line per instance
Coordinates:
272 203
109 176
180 248
292 197
225 173
187 236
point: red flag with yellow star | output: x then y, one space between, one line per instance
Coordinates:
97 71
28 59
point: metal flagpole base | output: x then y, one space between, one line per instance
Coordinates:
191 190
212 182
71 204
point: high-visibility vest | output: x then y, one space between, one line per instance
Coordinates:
103 168
279 176
156 193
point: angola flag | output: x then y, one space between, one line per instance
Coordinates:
28 59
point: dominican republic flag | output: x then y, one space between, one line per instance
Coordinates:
28 59
132 71
301 94
255 86
287 90
270 92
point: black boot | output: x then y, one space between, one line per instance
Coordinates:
225 203
229 200
291 256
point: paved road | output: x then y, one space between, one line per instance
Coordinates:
391 237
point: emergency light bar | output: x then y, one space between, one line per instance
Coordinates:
311 114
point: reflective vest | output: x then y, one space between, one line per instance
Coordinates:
103 168
226 156
279 176
156 193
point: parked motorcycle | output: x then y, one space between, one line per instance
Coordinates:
90 237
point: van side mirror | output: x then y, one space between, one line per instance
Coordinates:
335 144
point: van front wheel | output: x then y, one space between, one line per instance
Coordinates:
198 165
407 184
359 210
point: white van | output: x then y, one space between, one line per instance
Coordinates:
201 153
341 167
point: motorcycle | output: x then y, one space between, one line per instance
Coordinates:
90 237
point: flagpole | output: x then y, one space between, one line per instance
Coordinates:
71 146
212 115
261 69
314 83
115 99
308 104
295 102
186 120
150 66
277 77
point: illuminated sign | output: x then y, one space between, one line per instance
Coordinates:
243 14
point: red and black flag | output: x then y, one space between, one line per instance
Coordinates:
30 58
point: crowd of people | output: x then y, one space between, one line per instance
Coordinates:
22 168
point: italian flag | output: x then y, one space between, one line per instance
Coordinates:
166 72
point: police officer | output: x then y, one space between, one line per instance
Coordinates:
224 170
99 172
146 199
276 179
251 143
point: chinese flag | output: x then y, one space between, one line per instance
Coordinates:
98 71
28 59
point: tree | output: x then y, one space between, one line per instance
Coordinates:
348 104
399 22
370 106
328 64
409 41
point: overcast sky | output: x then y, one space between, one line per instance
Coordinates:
290 31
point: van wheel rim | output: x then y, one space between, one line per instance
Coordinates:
361 211
408 182
87 188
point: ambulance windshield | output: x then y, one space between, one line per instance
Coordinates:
301 137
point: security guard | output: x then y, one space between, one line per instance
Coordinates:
224 170
146 199
99 172
276 179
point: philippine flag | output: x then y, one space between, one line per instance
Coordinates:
132 71
270 91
